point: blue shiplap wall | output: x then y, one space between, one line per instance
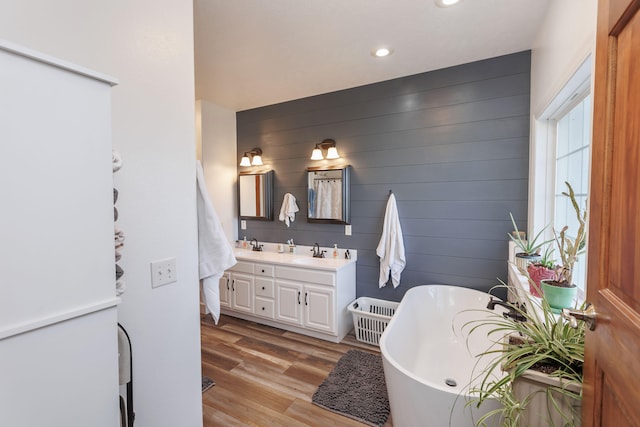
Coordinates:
452 144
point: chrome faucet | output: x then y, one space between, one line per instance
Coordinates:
256 247
516 311
317 253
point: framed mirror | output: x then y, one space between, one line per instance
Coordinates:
328 194
255 194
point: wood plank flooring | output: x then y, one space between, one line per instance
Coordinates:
266 376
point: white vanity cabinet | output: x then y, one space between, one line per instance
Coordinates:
264 290
236 288
306 298
310 300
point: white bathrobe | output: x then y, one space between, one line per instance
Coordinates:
215 253
391 246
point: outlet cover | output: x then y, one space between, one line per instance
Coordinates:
243 224
163 272
347 230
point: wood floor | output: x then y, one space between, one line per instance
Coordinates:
266 376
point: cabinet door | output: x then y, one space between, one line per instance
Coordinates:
225 290
289 302
319 308
242 292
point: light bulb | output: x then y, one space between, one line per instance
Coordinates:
316 154
332 153
257 160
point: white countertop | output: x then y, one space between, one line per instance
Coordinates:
302 258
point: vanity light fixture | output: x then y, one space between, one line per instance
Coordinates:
330 146
255 160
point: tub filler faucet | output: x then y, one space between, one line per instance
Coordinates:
516 310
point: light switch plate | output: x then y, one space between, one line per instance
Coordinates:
347 230
243 224
163 272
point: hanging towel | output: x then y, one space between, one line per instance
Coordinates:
288 209
391 246
312 203
215 253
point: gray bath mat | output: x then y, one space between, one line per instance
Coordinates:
207 383
356 389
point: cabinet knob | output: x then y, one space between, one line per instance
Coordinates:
263 270
262 308
263 288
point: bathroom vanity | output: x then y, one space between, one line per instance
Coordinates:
294 292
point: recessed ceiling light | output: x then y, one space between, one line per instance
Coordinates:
446 3
382 52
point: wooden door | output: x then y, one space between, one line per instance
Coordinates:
612 365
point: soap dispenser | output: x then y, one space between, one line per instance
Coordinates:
245 243
335 250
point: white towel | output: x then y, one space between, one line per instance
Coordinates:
215 253
288 209
391 246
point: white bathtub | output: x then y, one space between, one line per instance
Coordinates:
423 349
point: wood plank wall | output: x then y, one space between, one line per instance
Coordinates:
452 144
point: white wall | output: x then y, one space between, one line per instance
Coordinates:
562 44
148 46
219 158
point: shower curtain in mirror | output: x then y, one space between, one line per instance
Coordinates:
328 201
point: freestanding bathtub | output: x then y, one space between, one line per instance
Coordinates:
428 361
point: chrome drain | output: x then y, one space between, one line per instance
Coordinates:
450 382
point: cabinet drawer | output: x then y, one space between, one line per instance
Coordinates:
306 275
264 270
243 267
264 287
264 307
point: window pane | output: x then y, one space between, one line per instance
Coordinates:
576 127
572 165
563 136
585 173
562 173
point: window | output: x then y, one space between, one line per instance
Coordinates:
573 144
561 151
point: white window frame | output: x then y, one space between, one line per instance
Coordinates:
542 159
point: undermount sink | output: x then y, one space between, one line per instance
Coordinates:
307 261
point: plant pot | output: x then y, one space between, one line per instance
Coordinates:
537 274
523 260
541 410
559 297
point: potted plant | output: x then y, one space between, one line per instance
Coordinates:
541 269
530 248
560 291
535 372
